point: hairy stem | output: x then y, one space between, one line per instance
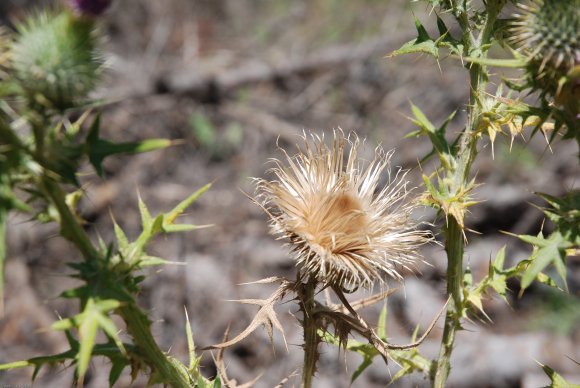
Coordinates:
311 338
138 324
454 239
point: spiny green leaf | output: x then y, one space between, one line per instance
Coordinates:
422 44
497 277
109 327
410 361
88 323
436 135
180 228
500 286
98 149
64 324
151 261
39 361
107 305
190 344
565 214
145 215
181 368
551 251
36 371
157 225
499 259
446 40
183 205
413 46
121 237
87 336
537 241
118 364
557 380
382 323
15 365
367 361
545 279
422 120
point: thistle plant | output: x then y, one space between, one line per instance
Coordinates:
543 38
343 232
47 70
347 222
345 235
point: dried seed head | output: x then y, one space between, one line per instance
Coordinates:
339 228
547 32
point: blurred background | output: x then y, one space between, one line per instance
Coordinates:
232 79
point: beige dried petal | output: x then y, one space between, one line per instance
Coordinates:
340 228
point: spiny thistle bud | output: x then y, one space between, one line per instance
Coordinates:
340 230
89 7
547 31
56 60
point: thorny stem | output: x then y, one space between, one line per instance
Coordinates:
454 239
138 324
69 224
311 338
454 248
139 328
3 220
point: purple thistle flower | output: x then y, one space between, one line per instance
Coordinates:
90 7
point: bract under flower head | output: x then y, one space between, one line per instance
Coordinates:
340 229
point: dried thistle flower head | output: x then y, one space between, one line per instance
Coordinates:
547 32
340 228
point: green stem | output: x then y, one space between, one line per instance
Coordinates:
454 239
71 229
139 327
3 220
138 324
311 338
454 248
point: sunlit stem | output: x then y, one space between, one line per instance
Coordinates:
311 338
459 177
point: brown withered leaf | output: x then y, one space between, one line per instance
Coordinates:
363 328
266 316
221 369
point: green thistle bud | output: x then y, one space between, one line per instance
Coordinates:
55 59
547 31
